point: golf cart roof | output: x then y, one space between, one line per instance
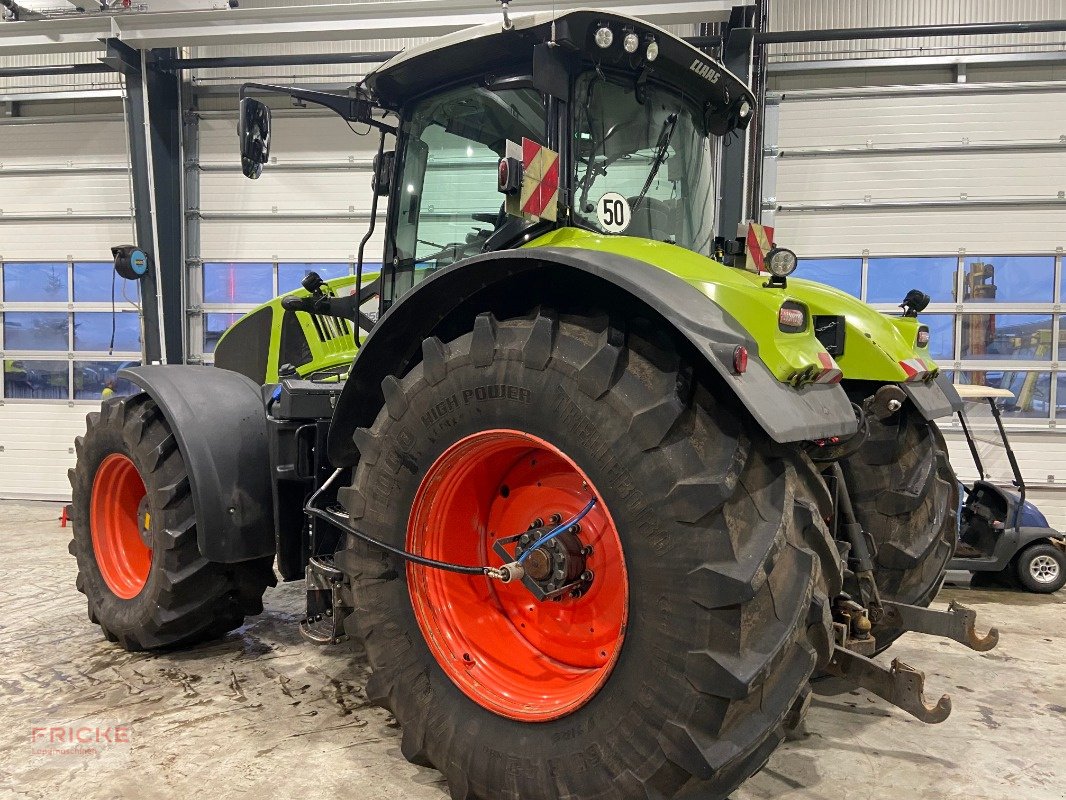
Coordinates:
480 51
968 391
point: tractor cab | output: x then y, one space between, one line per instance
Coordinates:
1000 532
584 119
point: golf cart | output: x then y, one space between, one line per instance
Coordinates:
1000 532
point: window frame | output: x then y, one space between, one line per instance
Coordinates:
68 355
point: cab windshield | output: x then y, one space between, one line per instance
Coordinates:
648 145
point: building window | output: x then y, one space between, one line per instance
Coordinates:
53 310
992 319
889 279
842 273
231 289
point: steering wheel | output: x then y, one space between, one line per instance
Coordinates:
651 218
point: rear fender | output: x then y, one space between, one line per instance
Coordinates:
219 422
446 303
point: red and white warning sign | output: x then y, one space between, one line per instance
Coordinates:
540 181
760 241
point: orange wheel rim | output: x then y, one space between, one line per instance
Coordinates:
523 658
122 556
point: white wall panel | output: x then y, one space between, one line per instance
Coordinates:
821 120
94 193
917 231
84 240
287 240
930 176
37 439
298 144
921 119
63 142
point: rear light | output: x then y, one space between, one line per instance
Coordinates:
740 359
792 317
923 336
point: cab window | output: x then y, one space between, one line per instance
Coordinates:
447 197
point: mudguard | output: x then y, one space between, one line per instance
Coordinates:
787 414
219 422
936 399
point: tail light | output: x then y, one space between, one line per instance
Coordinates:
923 336
792 317
740 359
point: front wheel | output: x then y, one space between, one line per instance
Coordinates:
1041 568
661 643
139 565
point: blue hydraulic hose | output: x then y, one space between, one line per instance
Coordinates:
558 529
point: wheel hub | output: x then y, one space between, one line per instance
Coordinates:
557 567
1044 569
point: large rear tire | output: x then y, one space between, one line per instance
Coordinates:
139 566
709 607
906 496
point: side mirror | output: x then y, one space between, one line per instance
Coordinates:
253 133
381 183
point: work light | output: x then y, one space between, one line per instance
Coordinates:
780 262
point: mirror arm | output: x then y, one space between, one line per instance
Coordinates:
351 109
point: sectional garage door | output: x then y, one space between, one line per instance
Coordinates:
956 189
64 200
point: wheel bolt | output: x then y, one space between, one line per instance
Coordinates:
555 519
587 576
537 523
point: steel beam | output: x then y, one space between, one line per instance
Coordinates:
890 62
883 205
306 23
908 31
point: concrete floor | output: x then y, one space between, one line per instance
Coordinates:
261 713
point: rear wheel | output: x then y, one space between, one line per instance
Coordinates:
674 666
135 537
1041 568
906 496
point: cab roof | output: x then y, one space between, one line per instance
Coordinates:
480 51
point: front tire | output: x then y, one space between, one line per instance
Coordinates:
1041 568
725 563
139 565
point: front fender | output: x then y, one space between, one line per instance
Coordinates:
464 289
219 422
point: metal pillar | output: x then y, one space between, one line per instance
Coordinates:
164 130
153 127
736 57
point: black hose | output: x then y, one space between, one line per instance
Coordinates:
333 519
463 569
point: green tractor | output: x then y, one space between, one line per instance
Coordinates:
598 496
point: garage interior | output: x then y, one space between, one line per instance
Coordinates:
895 145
